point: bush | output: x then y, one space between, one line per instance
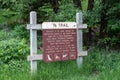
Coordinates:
3 35
65 14
13 49
20 31
98 61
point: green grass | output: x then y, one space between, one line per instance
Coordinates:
96 66
47 71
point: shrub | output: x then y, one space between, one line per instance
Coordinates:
3 35
98 61
20 31
65 14
13 49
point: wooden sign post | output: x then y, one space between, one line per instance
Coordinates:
33 40
79 21
61 41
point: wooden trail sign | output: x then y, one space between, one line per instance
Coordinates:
61 41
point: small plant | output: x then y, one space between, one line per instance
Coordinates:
13 49
20 31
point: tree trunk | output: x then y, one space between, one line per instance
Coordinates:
90 4
103 23
55 5
90 8
77 3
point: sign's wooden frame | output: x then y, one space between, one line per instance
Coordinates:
39 26
33 27
40 56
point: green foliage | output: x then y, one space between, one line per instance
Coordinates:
113 28
96 66
17 32
97 62
20 31
64 14
15 70
112 74
9 12
13 49
17 11
92 18
3 35
84 4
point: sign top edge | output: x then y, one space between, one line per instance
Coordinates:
59 25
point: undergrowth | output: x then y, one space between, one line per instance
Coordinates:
96 66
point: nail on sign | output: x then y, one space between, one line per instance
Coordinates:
59 41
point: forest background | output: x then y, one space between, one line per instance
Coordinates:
101 38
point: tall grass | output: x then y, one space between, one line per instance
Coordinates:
96 66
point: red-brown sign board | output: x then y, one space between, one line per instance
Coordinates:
59 41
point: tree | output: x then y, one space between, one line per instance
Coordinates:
103 23
90 7
109 24
77 3
55 5
90 4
